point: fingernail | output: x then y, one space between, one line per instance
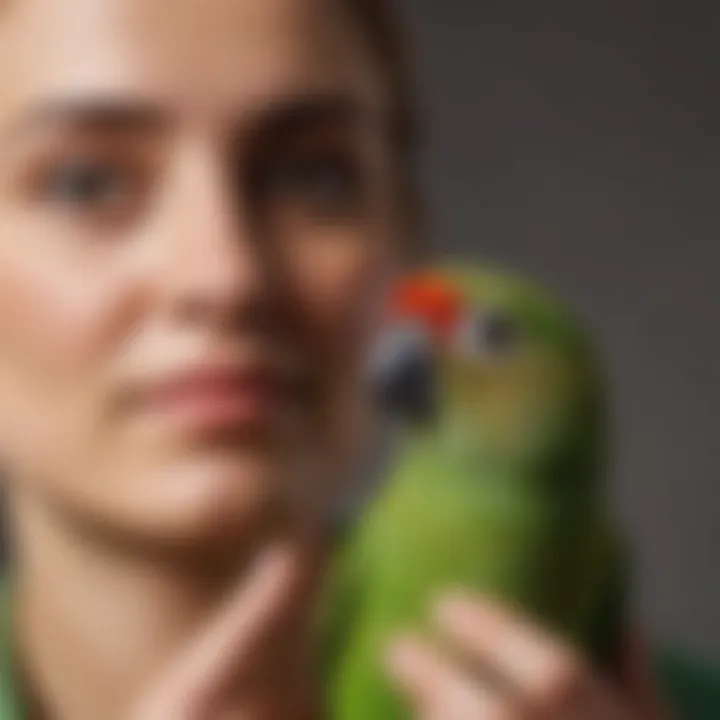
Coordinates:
398 655
452 606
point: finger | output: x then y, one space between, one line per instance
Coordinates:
548 677
225 654
512 645
265 600
436 689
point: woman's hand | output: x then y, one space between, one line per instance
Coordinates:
244 663
250 662
534 675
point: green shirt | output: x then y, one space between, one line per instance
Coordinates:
11 707
692 687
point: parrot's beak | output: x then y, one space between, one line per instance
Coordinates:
404 374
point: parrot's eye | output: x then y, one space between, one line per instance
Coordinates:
491 334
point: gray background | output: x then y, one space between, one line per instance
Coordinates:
579 141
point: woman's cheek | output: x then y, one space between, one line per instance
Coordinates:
62 316
341 281
47 314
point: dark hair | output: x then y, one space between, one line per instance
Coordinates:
381 23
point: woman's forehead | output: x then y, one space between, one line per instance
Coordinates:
204 57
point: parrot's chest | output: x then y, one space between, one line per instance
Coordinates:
492 534
501 547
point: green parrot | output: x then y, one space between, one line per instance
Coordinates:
497 485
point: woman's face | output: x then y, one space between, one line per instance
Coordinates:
196 221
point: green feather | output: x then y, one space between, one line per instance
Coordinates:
502 493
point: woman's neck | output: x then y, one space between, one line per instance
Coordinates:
95 626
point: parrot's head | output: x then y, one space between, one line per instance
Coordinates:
495 366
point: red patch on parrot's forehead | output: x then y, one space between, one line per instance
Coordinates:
430 299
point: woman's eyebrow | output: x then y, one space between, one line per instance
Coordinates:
81 114
284 117
297 114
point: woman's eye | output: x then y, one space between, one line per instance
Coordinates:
85 183
322 185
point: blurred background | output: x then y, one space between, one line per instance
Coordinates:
580 142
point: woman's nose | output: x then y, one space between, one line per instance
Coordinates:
213 263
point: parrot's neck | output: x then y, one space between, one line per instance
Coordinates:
438 464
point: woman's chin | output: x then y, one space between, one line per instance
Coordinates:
223 498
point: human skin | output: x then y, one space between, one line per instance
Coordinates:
212 185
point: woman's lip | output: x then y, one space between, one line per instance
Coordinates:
218 397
